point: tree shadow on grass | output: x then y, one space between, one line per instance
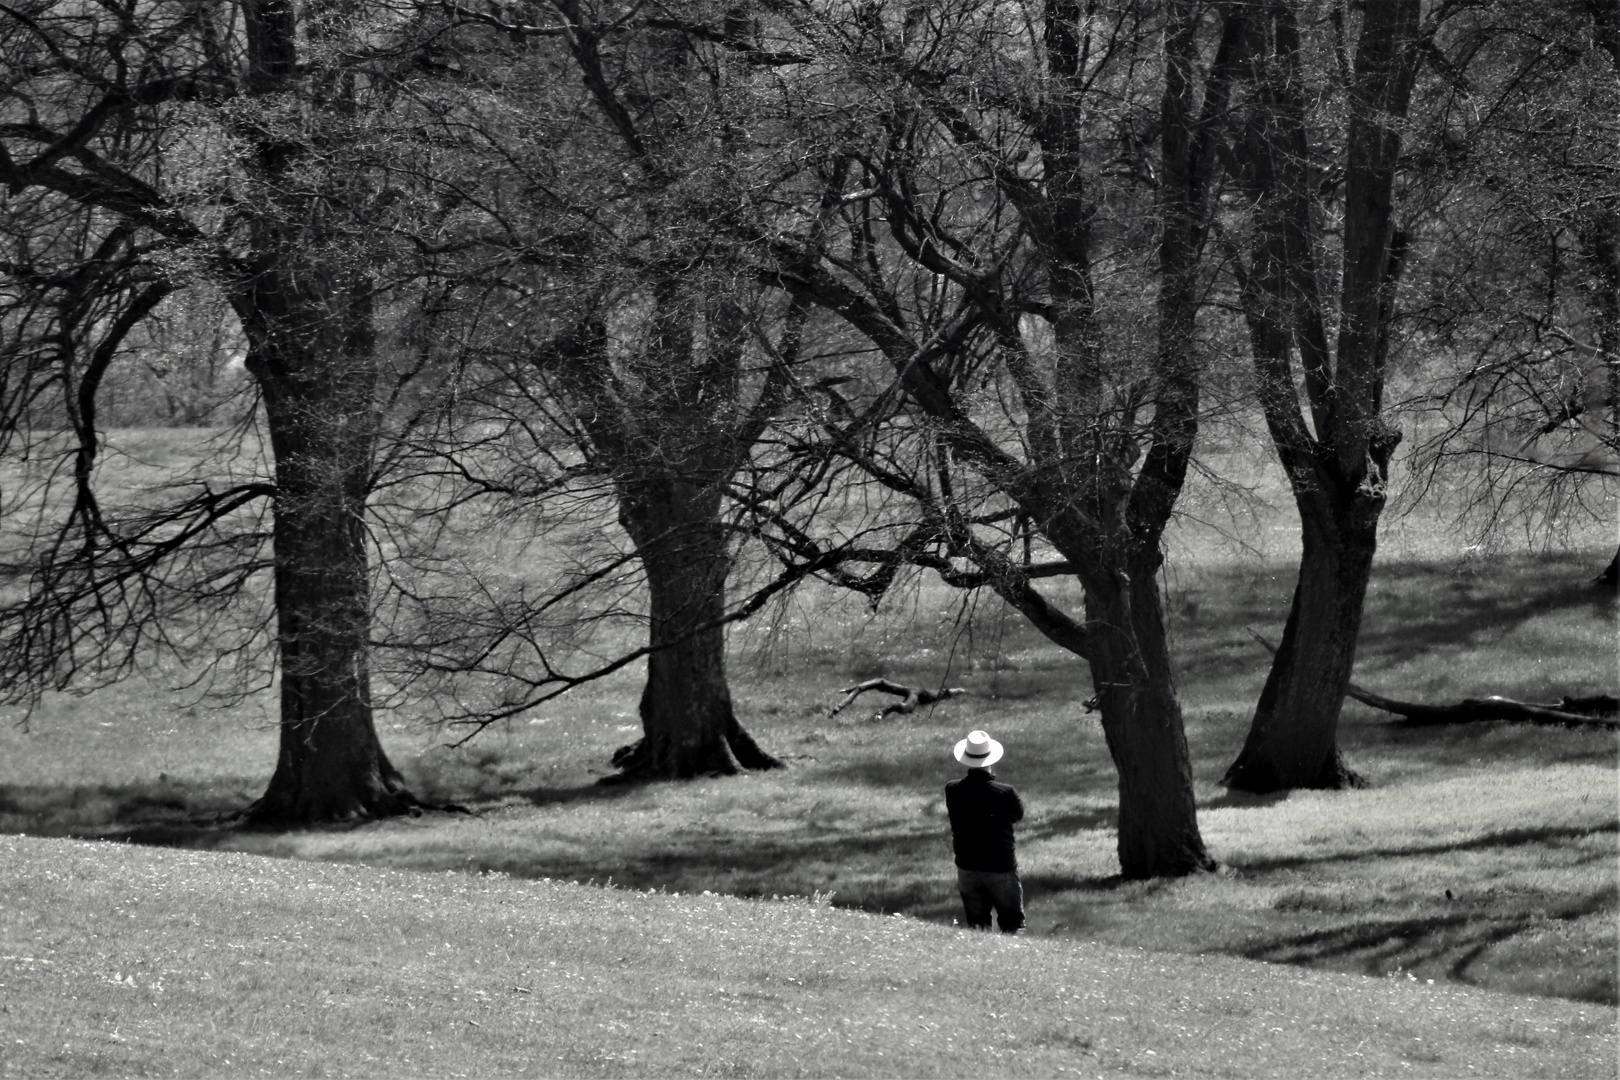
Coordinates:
1364 729
1232 799
1452 942
569 794
119 811
1396 631
198 814
1503 839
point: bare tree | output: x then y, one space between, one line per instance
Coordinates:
231 142
615 329
1325 415
1003 185
1519 283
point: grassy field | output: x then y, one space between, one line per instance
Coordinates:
129 961
1483 854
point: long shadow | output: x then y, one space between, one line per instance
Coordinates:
563 796
1456 939
1243 800
119 811
1065 824
1504 839
1037 884
1501 740
1463 617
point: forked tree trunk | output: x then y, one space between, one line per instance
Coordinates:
689 727
1293 739
1338 466
306 308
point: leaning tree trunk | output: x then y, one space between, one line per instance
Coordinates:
688 725
312 358
1293 739
1142 722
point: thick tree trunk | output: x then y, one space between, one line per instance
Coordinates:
330 766
688 725
1293 739
312 356
1338 465
1142 722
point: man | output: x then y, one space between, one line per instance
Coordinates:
982 814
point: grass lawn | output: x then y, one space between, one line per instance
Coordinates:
123 960
1481 856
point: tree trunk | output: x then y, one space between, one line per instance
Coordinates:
312 354
1338 465
306 307
688 725
1610 578
1293 739
331 766
1142 722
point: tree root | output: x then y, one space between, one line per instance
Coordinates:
912 697
643 760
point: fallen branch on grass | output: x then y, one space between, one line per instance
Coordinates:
912 696
1602 710
1571 712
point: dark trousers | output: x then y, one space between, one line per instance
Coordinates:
983 889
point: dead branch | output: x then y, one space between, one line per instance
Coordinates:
1571 712
911 696
1602 710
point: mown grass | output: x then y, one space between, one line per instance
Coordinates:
123 960
1482 854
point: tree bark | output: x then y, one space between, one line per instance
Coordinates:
312 358
1338 464
306 306
1293 738
689 727
1143 725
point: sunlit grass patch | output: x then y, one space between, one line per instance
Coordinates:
221 964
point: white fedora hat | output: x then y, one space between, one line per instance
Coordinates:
978 750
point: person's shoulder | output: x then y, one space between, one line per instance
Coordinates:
1004 788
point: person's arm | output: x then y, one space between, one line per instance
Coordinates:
1015 807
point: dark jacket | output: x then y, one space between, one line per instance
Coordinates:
982 814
